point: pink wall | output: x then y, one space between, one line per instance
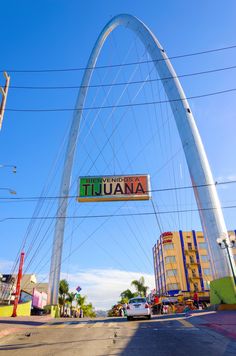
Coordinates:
39 299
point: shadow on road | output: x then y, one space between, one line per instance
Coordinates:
171 338
28 345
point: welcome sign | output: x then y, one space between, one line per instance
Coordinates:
113 188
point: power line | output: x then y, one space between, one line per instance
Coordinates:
47 70
148 191
121 83
116 215
124 105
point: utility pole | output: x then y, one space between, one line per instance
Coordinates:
19 277
4 92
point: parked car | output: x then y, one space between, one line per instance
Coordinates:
138 307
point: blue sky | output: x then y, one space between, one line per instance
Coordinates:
60 34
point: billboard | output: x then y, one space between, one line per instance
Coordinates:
113 188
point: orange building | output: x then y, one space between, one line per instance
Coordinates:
182 264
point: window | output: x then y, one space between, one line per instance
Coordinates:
171 272
195 286
190 247
202 245
204 258
170 259
173 286
207 271
191 259
169 246
137 300
194 273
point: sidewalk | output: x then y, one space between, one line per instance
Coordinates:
12 325
223 322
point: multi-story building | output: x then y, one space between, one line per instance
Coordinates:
182 264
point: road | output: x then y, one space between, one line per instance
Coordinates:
116 336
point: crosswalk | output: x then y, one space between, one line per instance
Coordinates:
179 324
79 325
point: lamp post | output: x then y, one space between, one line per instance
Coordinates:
13 167
227 242
11 191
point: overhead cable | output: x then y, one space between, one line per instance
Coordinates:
115 215
47 70
30 87
125 105
148 191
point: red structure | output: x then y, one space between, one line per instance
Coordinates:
19 277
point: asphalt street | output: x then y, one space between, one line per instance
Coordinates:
116 336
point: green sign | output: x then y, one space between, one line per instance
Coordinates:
111 188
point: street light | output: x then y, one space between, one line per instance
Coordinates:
227 242
9 165
11 191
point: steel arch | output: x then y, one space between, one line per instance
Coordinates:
211 218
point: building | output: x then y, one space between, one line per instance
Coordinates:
182 262
29 286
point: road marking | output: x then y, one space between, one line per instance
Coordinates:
80 325
61 325
97 325
186 323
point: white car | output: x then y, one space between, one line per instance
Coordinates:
138 307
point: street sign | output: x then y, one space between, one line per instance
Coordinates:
113 188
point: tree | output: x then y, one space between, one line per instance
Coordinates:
63 292
69 299
140 287
126 295
88 309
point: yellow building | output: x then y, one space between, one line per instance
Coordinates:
182 264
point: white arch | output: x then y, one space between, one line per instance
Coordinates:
212 219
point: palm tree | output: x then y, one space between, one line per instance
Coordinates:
126 295
140 287
88 309
63 292
81 300
69 299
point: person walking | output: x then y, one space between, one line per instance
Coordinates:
196 300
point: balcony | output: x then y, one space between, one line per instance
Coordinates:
189 250
192 278
191 264
194 263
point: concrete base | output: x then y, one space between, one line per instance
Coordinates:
55 311
223 291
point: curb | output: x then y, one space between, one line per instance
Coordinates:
170 316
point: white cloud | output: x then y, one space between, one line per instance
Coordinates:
103 286
226 178
6 266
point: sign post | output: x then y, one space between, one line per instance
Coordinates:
4 92
19 277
